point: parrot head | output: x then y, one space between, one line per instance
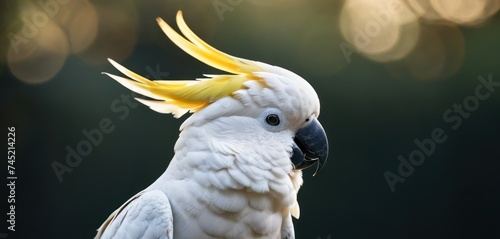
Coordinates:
254 102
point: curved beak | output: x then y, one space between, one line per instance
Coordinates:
310 146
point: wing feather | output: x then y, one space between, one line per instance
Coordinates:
146 215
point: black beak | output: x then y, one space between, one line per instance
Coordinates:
311 146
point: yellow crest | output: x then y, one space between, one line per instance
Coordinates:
181 96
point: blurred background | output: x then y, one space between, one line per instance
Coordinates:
388 73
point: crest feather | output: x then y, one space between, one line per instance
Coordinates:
181 96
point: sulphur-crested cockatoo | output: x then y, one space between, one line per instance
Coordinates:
238 160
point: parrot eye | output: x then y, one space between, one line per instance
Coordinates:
273 119
308 120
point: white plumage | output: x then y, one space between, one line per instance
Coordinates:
232 175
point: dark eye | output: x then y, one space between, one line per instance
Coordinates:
273 120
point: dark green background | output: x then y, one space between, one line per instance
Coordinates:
370 117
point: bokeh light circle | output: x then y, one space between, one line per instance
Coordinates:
41 58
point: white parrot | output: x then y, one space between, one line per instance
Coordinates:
238 160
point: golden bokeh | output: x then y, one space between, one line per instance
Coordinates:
43 34
380 30
422 35
465 12
38 48
41 58
82 28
